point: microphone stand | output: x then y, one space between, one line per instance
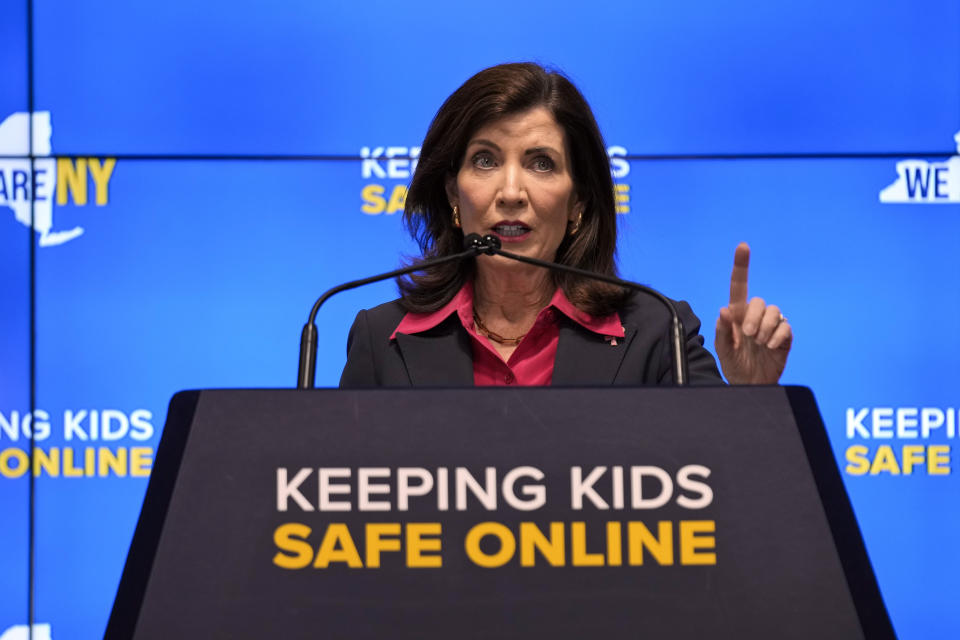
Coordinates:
474 246
490 245
308 337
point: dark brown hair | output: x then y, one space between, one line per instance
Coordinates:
488 96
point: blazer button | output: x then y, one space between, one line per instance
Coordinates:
509 378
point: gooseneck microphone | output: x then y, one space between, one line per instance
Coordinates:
306 373
490 245
474 245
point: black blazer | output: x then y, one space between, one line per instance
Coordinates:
443 356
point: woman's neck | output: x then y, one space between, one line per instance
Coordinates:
511 297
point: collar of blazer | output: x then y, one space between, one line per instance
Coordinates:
443 356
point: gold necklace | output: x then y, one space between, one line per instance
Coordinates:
496 337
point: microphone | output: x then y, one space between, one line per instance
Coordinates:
490 245
306 372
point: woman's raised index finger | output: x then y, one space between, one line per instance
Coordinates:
738 279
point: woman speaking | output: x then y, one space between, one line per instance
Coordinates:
516 152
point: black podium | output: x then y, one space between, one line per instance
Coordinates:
507 513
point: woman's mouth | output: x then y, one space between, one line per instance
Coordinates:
511 231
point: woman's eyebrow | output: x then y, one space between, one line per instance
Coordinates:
495 146
484 141
533 150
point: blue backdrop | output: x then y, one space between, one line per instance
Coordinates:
210 168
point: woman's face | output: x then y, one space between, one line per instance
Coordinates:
516 183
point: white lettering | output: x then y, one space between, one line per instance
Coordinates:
400 163
487 494
619 166
365 487
684 481
907 422
855 426
370 167
38 423
326 488
109 417
617 487
536 494
141 425
581 487
405 489
883 422
286 490
443 496
71 425
666 487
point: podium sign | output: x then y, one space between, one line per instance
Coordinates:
508 513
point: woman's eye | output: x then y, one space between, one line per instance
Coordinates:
482 160
543 163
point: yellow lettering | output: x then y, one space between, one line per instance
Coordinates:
417 544
614 544
141 461
376 543
110 461
508 544
69 470
938 460
912 456
86 462
659 546
622 196
19 456
578 543
885 460
373 201
857 463
551 548
72 179
291 538
691 544
397 199
48 461
101 178
337 546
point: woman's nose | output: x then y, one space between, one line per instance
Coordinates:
512 190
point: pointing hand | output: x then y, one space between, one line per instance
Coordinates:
753 339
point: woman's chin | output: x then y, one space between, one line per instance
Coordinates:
504 265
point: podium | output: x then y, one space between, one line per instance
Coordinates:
496 512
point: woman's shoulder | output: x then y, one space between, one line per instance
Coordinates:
643 309
384 317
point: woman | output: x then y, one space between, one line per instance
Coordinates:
516 152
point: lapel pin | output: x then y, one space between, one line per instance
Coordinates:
612 340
